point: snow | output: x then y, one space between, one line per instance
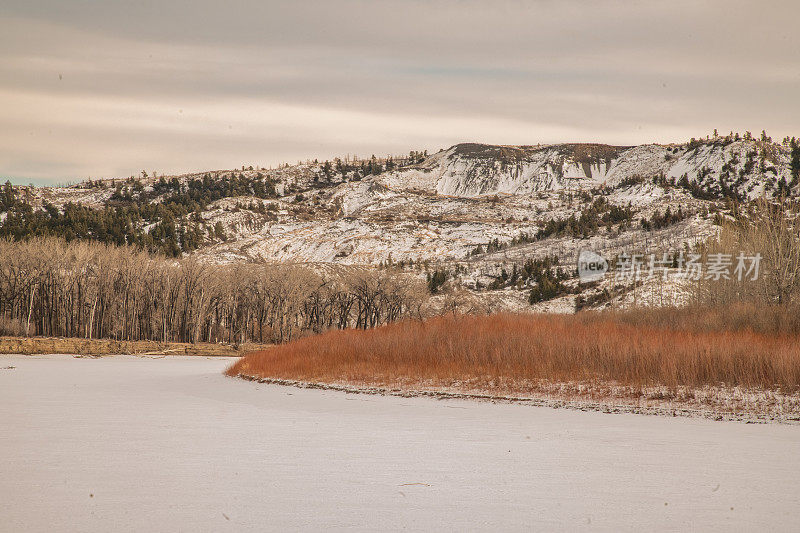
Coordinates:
358 241
442 208
455 173
138 444
639 195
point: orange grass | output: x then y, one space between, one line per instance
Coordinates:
509 349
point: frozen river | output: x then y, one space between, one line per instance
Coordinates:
138 444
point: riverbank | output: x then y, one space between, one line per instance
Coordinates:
100 347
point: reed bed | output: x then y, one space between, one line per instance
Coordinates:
689 348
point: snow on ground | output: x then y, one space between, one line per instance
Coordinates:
138 444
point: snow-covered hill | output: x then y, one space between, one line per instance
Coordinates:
473 209
752 167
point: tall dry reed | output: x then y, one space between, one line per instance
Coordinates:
623 348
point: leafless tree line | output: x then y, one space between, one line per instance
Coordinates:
89 290
768 228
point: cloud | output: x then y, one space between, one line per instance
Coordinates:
103 89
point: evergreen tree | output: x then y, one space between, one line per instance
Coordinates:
8 197
795 164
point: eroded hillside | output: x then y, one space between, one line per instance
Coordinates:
478 213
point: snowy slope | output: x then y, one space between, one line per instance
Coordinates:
474 170
445 208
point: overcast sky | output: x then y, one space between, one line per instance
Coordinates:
103 89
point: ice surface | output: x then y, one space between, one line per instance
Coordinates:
138 444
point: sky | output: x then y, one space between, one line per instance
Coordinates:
94 89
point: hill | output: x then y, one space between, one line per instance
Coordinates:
481 214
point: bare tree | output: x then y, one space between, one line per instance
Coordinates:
92 290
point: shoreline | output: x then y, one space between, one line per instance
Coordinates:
610 405
103 347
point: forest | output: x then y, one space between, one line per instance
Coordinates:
90 290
